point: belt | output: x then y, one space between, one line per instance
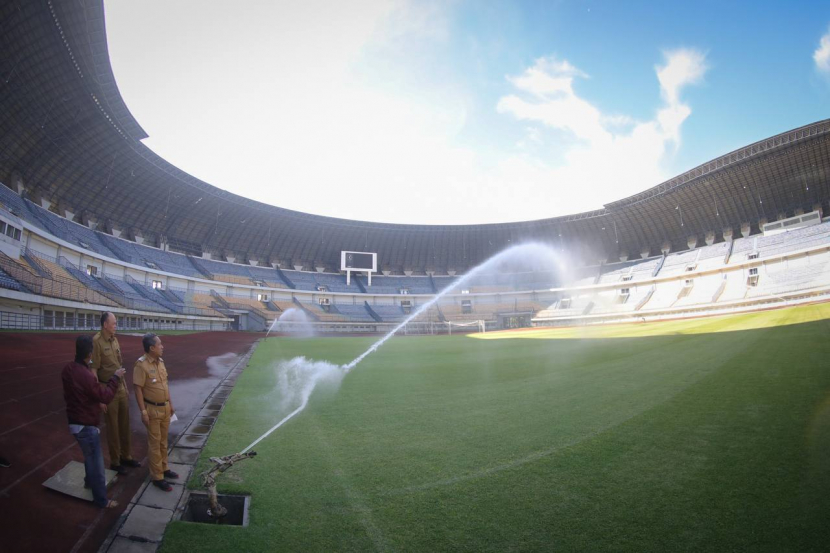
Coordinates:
162 404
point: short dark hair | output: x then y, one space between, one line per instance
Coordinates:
104 316
83 347
148 341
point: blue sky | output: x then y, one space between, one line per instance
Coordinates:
462 112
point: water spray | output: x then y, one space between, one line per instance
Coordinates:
532 251
306 374
294 322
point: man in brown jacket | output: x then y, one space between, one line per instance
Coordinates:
106 359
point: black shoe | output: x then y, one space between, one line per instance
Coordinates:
171 475
132 463
121 471
4 462
163 485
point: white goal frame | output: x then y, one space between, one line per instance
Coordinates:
482 327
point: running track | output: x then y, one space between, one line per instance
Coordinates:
34 435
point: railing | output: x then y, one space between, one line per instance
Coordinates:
249 308
645 299
30 281
66 264
138 303
199 267
219 299
20 321
39 255
114 247
170 296
719 291
659 266
93 284
255 317
31 258
285 279
372 312
58 288
142 290
199 311
728 252
360 286
54 287
306 310
24 321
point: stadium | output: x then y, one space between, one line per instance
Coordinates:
660 385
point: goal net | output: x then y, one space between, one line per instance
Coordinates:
468 326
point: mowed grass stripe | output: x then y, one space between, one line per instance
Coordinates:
681 442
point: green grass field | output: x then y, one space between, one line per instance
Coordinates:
700 435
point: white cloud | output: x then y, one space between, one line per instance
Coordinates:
612 156
822 55
683 67
344 109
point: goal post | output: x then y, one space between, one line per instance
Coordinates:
479 324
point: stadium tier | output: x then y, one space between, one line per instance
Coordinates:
749 271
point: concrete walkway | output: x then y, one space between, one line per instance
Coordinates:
141 528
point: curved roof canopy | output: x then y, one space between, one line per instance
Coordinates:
67 137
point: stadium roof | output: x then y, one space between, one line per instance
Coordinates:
68 137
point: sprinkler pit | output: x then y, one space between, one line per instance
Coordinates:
198 506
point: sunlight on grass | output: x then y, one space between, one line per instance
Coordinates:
702 325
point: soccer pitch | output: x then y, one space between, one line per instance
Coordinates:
708 434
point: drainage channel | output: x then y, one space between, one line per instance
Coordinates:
141 527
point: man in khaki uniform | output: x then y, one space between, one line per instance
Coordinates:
106 359
153 397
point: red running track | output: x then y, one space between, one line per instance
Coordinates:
35 437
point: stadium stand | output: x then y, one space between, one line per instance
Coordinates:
130 295
440 283
250 304
60 283
713 256
6 281
614 272
793 240
741 247
349 312
676 263
68 231
389 313
709 280
233 279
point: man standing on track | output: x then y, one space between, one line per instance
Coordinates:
153 398
84 396
106 359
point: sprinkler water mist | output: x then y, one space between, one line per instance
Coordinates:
220 465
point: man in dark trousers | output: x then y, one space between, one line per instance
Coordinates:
106 359
84 395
